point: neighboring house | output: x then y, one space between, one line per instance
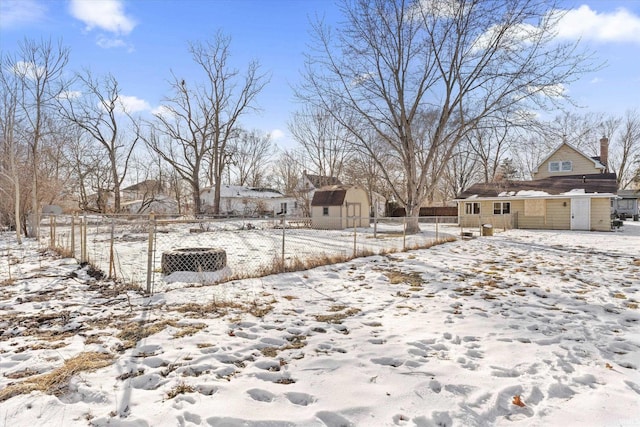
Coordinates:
570 191
248 201
627 204
159 204
340 206
143 190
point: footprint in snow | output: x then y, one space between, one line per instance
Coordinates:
261 395
300 399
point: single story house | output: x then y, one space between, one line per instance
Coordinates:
627 204
248 201
566 202
340 206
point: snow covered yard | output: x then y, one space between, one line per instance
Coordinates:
522 328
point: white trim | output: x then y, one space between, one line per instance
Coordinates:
547 196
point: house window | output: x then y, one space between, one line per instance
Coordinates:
561 166
500 208
283 208
325 211
472 208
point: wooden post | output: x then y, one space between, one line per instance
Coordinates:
375 220
52 232
152 227
73 235
404 232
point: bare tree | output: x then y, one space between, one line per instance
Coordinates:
9 149
100 112
394 63
251 152
200 119
626 149
324 140
39 68
462 170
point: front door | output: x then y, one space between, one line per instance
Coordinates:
580 213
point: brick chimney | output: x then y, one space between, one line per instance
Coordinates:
604 152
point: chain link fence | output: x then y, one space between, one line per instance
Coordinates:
159 253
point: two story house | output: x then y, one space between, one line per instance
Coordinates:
569 191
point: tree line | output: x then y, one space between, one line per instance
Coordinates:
414 100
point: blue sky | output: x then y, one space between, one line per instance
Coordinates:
141 41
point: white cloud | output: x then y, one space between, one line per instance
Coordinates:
110 43
16 13
596 80
28 70
132 104
163 111
107 15
276 134
586 23
70 94
552 91
511 38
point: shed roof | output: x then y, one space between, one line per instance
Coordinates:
332 195
591 183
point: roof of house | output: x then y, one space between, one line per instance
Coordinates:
146 185
596 160
319 181
238 191
629 194
332 195
590 184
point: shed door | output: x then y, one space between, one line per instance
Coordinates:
353 214
580 214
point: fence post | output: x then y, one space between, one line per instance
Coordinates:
375 220
355 237
73 235
112 265
52 232
284 225
404 233
83 239
152 227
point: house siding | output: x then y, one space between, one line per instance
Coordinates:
581 164
601 214
557 215
333 221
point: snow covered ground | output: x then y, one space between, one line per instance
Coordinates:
523 328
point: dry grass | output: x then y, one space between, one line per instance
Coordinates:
337 314
57 381
636 262
221 307
180 388
188 330
133 332
412 278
